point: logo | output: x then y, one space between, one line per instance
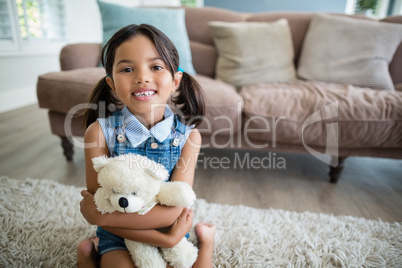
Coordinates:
330 111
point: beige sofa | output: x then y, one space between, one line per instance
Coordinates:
290 116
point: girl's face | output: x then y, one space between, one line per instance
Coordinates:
141 78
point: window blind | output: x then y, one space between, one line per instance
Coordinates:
5 21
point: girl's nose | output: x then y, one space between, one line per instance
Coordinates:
143 76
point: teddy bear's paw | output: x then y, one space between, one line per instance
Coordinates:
183 255
176 193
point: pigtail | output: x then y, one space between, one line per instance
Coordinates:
190 100
100 101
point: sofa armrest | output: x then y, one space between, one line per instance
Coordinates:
74 56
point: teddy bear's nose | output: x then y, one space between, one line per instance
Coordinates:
123 202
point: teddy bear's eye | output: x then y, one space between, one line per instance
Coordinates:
133 193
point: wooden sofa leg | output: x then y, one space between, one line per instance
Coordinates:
335 172
67 148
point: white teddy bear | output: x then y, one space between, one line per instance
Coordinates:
133 183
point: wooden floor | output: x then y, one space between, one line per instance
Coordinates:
369 187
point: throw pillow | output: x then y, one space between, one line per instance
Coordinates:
349 51
170 21
253 52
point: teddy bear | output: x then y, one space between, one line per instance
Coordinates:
132 183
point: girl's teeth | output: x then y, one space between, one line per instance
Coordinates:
143 94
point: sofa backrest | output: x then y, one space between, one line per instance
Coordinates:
205 54
201 41
395 67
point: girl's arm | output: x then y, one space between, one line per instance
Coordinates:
185 167
153 237
158 217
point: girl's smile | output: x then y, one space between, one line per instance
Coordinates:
143 94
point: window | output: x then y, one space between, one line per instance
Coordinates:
374 8
192 3
31 25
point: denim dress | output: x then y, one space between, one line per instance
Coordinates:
166 152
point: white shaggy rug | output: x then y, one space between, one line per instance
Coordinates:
41 225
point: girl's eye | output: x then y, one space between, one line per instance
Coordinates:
127 70
157 68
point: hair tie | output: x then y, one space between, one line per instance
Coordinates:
179 69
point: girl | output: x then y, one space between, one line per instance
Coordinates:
142 67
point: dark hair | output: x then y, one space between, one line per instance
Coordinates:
189 101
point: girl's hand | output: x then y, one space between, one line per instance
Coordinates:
181 227
88 208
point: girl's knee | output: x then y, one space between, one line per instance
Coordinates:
86 254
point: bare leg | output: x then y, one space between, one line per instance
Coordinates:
205 233
87 256
86 253
117 258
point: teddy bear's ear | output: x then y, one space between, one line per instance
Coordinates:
100 162
157 171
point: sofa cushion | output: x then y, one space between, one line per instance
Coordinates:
349 51
253 52
223 107
61 91
298 24
300 113
170 21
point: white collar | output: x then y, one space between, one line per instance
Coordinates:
137 133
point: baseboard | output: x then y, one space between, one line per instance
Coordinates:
17 98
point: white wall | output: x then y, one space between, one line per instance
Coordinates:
337 6
398 7
84 22
19 74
